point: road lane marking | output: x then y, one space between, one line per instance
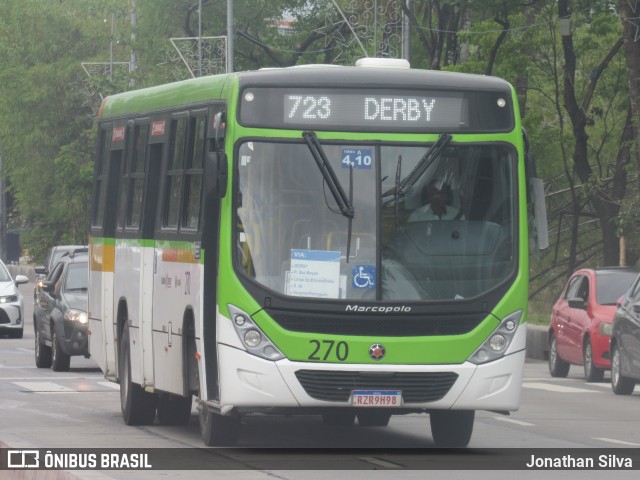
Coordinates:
556 388
43 387
619 442
110 385
517 422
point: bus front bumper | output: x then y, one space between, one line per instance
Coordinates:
250 382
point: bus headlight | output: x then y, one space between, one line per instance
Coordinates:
495 346
254 339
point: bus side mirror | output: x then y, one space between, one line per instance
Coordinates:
220 129
539 212
216 174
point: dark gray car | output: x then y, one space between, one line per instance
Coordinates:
60 312
625 342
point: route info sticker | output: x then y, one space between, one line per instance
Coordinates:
314 273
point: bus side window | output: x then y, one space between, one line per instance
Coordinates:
174 174
194 172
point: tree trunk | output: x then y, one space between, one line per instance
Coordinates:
600 198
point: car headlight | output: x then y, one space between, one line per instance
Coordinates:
74 315
498 342
253 339
606 329
9 299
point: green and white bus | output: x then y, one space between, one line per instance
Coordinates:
260 242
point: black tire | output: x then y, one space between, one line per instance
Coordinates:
59 360
138 407
557 366
619 384
452 428
43 352
173 409
373 418
591 372
217 430
339 418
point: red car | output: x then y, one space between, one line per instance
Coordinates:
581 319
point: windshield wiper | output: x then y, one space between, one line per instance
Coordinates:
425 162
330 177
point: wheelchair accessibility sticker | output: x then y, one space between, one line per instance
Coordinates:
364 276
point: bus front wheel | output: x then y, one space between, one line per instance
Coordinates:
452 428
217 430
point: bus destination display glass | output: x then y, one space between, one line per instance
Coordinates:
410 111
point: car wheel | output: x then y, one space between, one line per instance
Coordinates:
591 372
43 352
339 418
557 366
138 406
173 409
59 360
452 428
619 384
373 418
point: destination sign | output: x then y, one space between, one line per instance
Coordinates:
376 110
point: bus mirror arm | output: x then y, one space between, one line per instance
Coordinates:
216 174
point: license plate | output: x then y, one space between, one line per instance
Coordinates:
376 398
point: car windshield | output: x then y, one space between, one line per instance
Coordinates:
610 286
78 277
450 235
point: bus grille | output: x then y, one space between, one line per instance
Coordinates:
417 387
385 326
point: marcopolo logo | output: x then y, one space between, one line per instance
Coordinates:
23 459
378 309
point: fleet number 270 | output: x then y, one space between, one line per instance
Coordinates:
323 349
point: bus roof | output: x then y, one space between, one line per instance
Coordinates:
204 89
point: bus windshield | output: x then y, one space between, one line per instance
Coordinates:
450 237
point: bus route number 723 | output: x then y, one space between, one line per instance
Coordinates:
308 107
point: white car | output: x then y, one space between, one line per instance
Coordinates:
11 304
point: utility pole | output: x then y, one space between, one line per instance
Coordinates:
406 34
229 36
133 63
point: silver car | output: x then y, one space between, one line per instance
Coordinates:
11 304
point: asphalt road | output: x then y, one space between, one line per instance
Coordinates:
40 408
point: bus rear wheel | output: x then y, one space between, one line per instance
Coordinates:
173 409
138 406
217 430
452 428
